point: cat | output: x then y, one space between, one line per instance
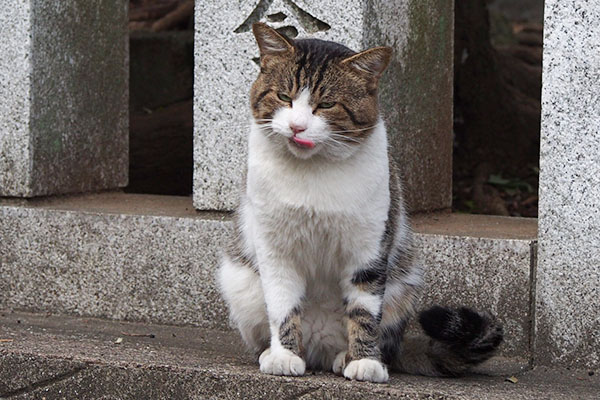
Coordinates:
322 272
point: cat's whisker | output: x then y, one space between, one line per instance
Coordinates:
346 138
338 143
343 139
355 130
336 224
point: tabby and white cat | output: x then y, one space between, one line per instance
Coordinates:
322 272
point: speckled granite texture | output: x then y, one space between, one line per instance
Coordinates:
568 273
485 274
58 357
142 257
137 267
416 93
15 102
64 104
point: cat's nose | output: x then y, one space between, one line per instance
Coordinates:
297 128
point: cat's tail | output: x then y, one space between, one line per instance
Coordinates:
458 339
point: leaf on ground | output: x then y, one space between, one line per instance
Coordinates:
498 180
512 379
509 184
119 340
470 204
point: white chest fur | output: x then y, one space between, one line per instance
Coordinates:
320 213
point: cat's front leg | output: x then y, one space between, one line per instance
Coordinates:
363 290
284 290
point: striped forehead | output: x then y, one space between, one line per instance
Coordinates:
310 70
314 59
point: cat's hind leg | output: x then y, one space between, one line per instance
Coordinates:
398 308
363 294
241 288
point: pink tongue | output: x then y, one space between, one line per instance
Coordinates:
303 142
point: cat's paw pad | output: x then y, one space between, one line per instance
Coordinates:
339 363
281 362
367 370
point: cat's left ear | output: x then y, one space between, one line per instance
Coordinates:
271 42
373 61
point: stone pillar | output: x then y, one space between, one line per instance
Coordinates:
416 91
63 96
568 270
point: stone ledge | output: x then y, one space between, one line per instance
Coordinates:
66 357
151 258
113 255
475 226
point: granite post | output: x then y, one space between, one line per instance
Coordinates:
416 92
568 270
63 96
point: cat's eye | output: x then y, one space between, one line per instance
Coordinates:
326 105
284 97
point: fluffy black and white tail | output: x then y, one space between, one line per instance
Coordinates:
458 339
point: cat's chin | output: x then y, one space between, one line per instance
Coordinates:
302 152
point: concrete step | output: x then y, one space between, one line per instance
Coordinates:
152 258
51 357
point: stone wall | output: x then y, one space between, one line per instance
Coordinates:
568 271
63 96
416 92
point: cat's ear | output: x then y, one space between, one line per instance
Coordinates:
373 61
271 42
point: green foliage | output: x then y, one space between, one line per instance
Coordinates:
510 185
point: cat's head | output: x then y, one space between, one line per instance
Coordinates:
313 96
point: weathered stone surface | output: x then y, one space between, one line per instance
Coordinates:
27 370
483 262
116 256
142 257
63 97
485 274
416 94
183 362
568 294
15 83
416 91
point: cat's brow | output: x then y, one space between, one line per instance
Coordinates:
301 64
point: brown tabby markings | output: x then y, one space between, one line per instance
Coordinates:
290 332
307 65
456 338
325 70
363 336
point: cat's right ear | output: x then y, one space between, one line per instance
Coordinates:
270 42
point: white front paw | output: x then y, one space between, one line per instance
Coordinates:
366 370
339 363
281 362
264 354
